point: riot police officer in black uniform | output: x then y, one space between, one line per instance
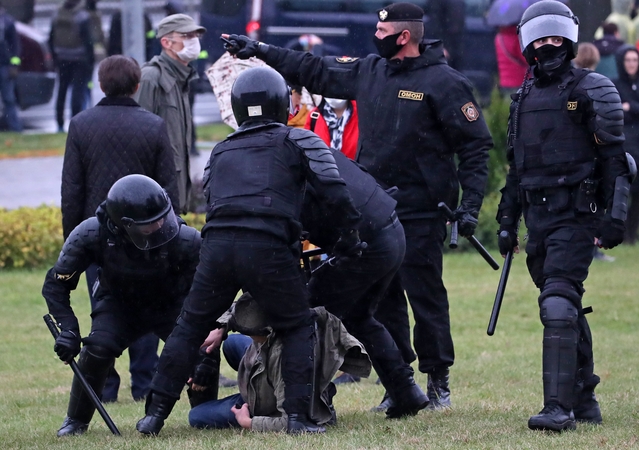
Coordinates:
417 115
147 258
351 288
254 187
569 176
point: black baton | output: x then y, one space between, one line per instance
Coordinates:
499 296
473 240
83 381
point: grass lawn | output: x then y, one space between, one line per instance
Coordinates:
496 381
20 145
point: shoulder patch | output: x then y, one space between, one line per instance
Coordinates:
470 111
63 277
346 59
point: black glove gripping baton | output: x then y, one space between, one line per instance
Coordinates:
83 381
473 240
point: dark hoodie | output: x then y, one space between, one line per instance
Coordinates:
628 88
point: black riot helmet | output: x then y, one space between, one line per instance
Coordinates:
260 93
139 207
547 18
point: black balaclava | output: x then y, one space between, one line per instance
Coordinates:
552 60
387 47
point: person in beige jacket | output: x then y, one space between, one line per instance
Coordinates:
259 405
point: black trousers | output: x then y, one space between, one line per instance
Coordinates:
143 355
352 289
76 74
560 245
421 277
269 269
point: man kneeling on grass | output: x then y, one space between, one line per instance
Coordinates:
257 356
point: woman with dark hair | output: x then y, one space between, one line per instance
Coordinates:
627 84
116 138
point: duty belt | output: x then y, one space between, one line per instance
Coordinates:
541 196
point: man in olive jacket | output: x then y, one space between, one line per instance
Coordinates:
259 405
164 90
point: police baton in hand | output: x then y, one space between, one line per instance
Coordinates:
473 240
83 381
501 288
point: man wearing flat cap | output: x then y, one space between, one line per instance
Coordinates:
417 116
164 89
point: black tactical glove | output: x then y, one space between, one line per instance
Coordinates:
611 233
507 239
207 372
244 47
466 221
67 345
349 245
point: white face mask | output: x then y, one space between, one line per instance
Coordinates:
336 103
191 50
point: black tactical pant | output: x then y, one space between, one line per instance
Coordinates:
560 246
267 268
421 277
351 291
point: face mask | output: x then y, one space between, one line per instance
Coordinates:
550 57
336 103
387 47
191 50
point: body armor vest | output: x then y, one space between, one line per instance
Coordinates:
141 277
550 149
249 174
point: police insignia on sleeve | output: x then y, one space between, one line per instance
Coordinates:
572 106
63 277
345 59
470 111
383 14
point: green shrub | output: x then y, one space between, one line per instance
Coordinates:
32 237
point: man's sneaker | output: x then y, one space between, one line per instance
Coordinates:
72 427
226 382
553 417
345 378
386 403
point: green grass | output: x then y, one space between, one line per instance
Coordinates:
20 145
496 381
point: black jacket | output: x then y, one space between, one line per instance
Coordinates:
629 93
156 279
105 143
415 115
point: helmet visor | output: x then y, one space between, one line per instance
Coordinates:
153 234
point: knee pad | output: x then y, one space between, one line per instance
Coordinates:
561 287
558 312
97 351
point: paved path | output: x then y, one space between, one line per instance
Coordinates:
36 181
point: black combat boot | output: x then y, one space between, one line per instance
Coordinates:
300 423
386 403
158 407
438 389
94 363
553 417
408 401
72 427
587 408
